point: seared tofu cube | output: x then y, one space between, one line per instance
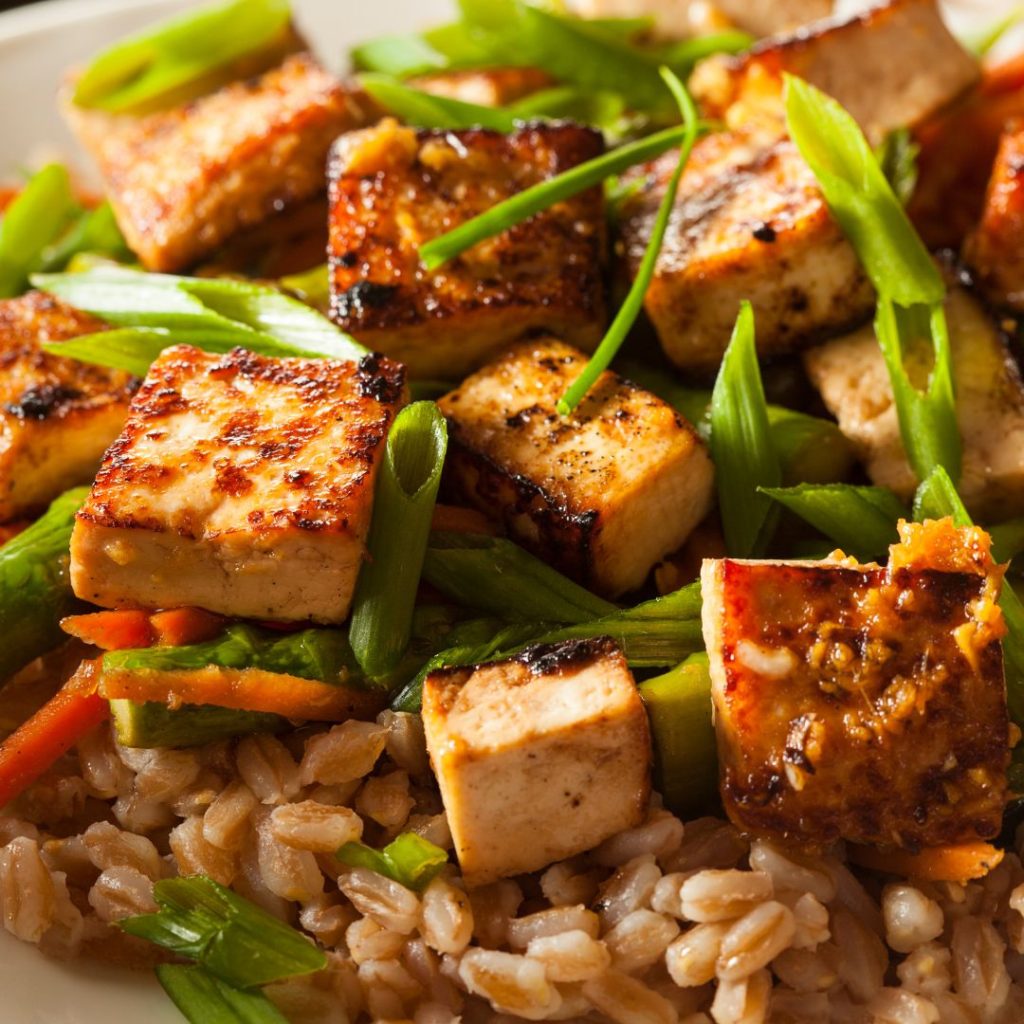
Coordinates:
241 484
858 702
57 415
850 374
749 223
183 181
891 65
603 494
995 249
486 87
394 188
539 757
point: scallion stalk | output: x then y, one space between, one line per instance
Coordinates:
410 859
203 998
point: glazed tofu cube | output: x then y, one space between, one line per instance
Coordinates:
603 494
891 65
183 181
995 249
858 702
393 188
749 223
57 416
486 87
241 484
539 757
850 374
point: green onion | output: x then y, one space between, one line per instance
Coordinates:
203 998
910 287
494 575
312 286
981 43
597 107
32 223
897 156
685 751
410 859
232 938
401 56
861 520
1007 539
35 592
404 498
683 56
741 445
630 308
545 194
172 61
426 110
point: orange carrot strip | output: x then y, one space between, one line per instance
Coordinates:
453 519
936 864
111 631
179 627
53 730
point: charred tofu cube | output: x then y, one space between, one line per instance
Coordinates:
850 374
183 181
603 494
393 188
57 416
891 65
858 702
995 249
539 757
241 484
749 223
486 87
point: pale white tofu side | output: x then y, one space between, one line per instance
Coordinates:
851 376
539 757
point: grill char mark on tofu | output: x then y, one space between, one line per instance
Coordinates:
254 148
850 374
241 484
393 188
57 416
749 223
860 703
538 757
603 494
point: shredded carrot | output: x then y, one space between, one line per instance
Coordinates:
53 730
111 631
453 519
179 627
936 864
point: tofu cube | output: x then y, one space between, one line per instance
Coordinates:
850 374
241 484
394 188
57 416
486 87
749 223
539 757
603 494
995 249
858 702
183 181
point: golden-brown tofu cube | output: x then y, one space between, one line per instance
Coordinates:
603 494
486 87
995 249
393 188
57 416
183 181
749 223
241 484
539 757
861 702
850 373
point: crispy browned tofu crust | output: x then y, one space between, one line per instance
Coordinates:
995 249
858 702
57 416
487 87
185 180
603 494
241 484
749 223
393 188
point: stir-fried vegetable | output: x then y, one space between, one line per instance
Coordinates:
410 859
152 724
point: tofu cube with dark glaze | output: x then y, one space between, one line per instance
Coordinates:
184 181
860 702
57 415
539 757
241 484
394 188
603 494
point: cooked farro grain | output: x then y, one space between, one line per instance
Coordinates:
640 939
521 930
447 917
346 752
723 895
268 769
911 918
309 825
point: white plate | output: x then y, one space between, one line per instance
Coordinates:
37 45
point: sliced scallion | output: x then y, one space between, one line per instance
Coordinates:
410 859
203 998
